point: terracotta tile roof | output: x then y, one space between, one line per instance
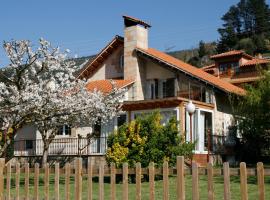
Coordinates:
231 53
255 61
105 86
136 21
191 70
90 67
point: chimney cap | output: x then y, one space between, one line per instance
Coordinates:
131 21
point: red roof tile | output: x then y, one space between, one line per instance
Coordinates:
191 70
231 53
106 86
255 61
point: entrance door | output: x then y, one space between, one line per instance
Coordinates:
201 126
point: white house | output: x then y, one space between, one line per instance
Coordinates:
154 80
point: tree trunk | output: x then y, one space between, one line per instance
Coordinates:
45 154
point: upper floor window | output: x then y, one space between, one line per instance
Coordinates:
168 88
64 130
235 67
153 89
158 88
121 62
224 67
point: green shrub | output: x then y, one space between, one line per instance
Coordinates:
146 140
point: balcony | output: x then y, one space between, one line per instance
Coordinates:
62 147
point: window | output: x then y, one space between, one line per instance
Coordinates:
64 130
97 129
168 88
28 144
121 62
153 89
121 120
235 67
222 68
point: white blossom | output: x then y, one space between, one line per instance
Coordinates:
38 87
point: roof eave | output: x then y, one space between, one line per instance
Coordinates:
188 73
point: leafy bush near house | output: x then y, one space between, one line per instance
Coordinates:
146 140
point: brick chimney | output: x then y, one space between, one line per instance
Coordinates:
135 35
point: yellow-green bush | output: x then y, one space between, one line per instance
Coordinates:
145 140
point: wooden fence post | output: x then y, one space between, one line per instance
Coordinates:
90 177
151 181
8 181
165 180
260 176
2 167
46 181
36 181
17 181
56 181
138 181
67 181
180 166
195 181
101 181
125 181
226 175
113 181
210 181
78 179
26 180
243 181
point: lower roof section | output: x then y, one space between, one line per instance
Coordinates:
161 103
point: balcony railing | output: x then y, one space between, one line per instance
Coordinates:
62 147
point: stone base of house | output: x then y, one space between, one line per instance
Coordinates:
201 159
97 159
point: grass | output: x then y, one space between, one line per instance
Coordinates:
218 187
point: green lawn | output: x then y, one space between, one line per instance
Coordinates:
218 187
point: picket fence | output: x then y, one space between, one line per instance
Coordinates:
6 170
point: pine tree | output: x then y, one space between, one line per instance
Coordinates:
250 20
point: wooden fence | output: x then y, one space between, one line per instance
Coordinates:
77 170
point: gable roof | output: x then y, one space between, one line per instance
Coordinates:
231 53
191 70
106 86
255 61
90 67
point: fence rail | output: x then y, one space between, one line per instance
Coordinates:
78 172
62 146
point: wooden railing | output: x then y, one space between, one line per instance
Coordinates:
61 146
14 188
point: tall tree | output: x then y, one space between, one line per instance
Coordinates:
248 19
202 50
252 112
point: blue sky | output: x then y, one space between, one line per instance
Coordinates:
85 26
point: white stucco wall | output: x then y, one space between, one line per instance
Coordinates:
155 71
110 68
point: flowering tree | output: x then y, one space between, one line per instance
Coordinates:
38 87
